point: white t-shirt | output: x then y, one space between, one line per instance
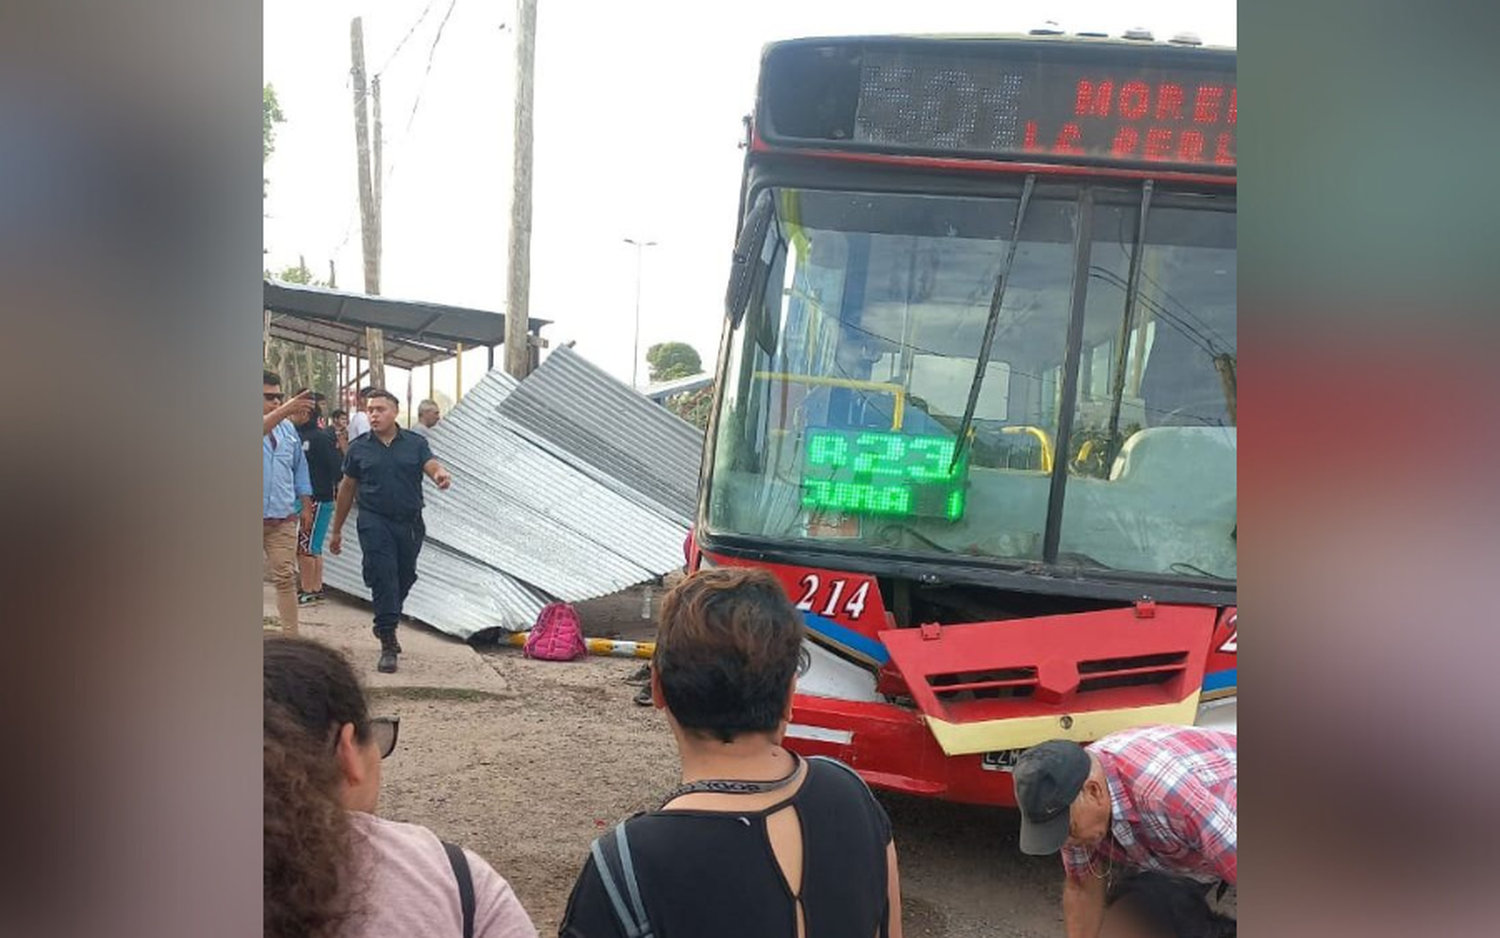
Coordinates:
410 889
359 424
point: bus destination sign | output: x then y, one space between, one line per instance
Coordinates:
1070 103
1129 113
883 473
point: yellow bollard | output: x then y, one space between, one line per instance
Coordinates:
606 647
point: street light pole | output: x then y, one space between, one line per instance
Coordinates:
635 362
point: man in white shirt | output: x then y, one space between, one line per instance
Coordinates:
359 421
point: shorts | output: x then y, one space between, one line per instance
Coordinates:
310 543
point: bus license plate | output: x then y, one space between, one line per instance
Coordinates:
1002 761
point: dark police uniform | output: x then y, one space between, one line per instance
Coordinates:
390 517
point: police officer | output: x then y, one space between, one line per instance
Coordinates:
385 467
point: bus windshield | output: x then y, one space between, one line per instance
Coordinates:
846 383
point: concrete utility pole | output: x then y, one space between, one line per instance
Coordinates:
369 214
635 361
518 283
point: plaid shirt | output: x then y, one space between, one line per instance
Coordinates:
1173 804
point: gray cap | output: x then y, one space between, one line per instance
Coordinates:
1048 777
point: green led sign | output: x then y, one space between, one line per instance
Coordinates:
882 473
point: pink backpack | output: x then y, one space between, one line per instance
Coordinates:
557 636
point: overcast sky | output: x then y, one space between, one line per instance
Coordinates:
638 110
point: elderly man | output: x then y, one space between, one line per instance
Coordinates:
428 415
1156 798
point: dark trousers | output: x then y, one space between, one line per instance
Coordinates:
390 549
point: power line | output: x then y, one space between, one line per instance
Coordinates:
391 169
349 222
1167 295
417 103
397 51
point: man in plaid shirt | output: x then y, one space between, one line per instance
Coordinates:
1156 798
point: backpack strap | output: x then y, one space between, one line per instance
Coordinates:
606 848
460 864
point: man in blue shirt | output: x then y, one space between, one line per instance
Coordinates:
384 468
286 493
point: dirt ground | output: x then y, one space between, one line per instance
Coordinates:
526 762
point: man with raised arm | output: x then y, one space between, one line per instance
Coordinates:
384 468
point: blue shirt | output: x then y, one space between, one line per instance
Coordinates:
283 472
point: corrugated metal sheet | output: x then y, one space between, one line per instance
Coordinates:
456 594
548 501
605 428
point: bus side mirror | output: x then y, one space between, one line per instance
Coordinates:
752 263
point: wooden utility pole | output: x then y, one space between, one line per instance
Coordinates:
518 283
369 214
379 179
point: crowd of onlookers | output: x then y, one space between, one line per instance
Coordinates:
303 457
757 840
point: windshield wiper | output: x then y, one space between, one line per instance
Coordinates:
1132 292
981 366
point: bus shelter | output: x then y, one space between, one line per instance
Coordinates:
415 333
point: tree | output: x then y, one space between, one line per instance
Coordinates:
273 116
672 360
299 365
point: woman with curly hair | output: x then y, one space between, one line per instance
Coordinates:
332 868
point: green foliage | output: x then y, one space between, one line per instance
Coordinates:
299 274
298 365
693 407
672 360
273 116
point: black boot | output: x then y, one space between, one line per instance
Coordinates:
389 649
640 677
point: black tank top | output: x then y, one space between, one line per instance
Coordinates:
713 873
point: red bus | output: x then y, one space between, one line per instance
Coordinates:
975 401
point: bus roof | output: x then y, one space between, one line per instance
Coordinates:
1062 38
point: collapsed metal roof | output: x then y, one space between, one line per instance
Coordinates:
568 485
584 416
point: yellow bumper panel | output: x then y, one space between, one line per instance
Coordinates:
961 739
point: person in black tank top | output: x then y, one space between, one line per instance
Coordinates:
757 841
